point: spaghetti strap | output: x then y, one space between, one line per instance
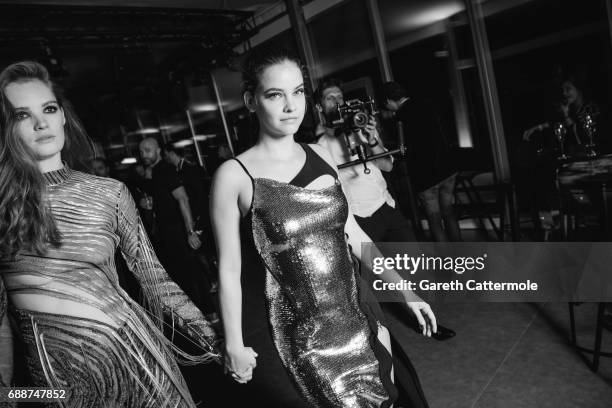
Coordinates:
252 185
243 168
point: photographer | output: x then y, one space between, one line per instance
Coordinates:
369 201
367 193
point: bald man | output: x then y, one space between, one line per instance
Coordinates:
174 220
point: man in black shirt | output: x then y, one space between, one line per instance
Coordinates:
195 181
433 174
197 185
175 224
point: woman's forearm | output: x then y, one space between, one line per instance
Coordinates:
230 302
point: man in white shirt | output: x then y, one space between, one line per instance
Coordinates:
367 194
374 208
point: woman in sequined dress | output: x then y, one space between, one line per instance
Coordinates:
297 332
60 229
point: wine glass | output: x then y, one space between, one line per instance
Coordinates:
560 131
589 128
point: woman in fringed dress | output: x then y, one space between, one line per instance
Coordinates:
59 230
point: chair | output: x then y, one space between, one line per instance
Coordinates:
599 328
505 202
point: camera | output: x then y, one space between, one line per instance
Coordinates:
353 115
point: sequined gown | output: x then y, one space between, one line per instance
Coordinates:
116 355
324 339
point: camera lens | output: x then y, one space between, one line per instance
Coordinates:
360 120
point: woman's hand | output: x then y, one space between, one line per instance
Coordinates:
193 240
422 311
527 134
240 363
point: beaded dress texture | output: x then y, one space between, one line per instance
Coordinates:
116 354
3 304
323 337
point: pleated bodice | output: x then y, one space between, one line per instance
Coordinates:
95 216
70 305
82 268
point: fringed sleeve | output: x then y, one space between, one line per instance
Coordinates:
6 343
162 295
3 300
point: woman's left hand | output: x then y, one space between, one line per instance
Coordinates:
425 316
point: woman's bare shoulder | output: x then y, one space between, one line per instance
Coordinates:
229 175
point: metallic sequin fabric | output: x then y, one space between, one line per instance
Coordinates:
95 216
321 333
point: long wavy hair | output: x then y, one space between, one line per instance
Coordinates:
26 222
